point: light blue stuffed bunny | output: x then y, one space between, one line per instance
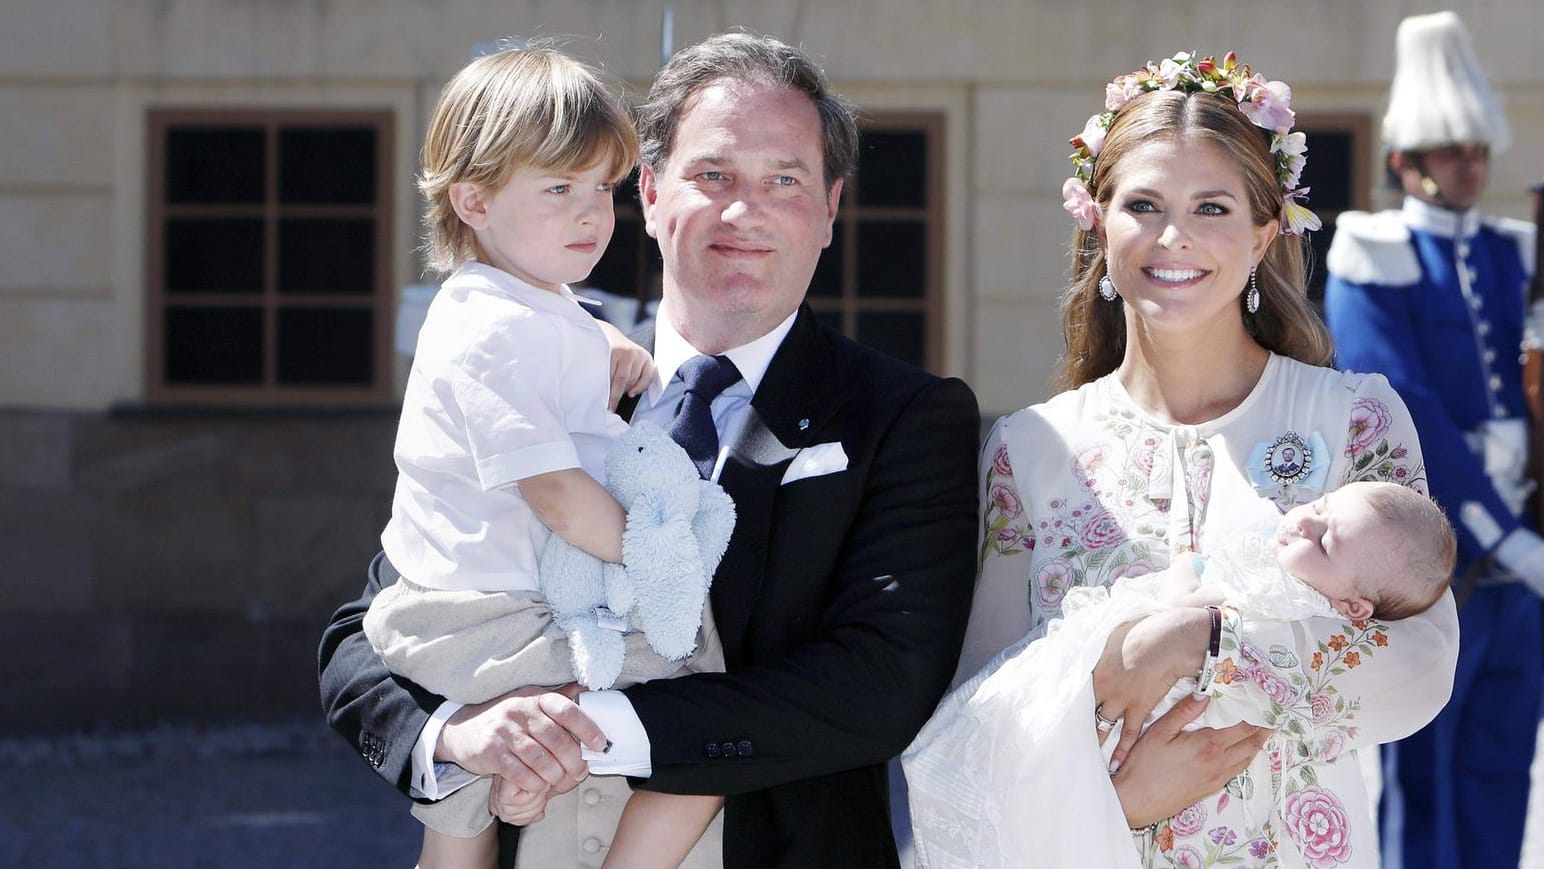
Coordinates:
678 526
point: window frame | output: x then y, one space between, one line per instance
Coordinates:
160 121
849 303
1361 183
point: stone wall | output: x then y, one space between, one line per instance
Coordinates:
180 566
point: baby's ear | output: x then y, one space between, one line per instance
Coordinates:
1355 607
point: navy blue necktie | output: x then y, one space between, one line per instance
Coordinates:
705 377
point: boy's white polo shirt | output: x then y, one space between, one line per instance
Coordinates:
508 381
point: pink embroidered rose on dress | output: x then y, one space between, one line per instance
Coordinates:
1333 745
1278 689
1186 857
1006 501
1000 463
1370 421
1189 821
1140 567
1052 582
1321 706
1316 823
1100 531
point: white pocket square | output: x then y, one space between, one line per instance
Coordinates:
816 461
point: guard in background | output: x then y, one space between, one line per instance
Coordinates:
1433 296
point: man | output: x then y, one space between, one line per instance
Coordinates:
1432 295
842 600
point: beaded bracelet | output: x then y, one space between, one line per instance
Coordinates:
1213 646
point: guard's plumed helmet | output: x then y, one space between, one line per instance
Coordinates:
1440 95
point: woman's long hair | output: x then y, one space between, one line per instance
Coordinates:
1094 330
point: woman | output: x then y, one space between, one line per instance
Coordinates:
1197 405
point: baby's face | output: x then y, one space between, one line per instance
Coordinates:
1333 541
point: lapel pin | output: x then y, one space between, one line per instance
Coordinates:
804 424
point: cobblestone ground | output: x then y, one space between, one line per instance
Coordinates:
233 798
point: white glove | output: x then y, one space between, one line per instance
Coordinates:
1533 327
1522 553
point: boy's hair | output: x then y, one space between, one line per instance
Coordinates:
531 106
1427 550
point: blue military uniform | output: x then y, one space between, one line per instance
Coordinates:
1435 301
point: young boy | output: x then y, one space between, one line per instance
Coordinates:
505 425
1365 550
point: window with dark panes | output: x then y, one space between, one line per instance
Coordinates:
880 281
268 258
1338 174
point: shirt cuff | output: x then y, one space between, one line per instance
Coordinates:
431 780
628 754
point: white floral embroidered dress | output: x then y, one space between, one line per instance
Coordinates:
1087 489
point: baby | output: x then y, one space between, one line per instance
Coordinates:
1365 550
1020 726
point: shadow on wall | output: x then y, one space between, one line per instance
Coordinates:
180 566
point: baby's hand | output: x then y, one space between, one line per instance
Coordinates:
1181 581
631 366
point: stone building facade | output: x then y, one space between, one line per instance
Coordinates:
172 540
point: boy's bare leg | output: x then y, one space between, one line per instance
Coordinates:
659 830
449 852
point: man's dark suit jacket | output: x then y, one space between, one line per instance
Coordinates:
841 603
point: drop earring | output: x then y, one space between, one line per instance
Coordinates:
1107 288
1252 301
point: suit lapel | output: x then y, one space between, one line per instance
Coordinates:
795 397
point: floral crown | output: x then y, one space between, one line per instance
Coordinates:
1268 104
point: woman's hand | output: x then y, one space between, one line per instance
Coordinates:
1142 660
631 366
1171 768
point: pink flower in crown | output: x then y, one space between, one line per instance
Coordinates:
1267 104
1000 464
1333 745
1006 500
1294 149
1101 531
1370 421
1316 822
1121 91
1321 707
1186 857
1297 218
1169 71
1052 582
1093 135
1078 202
1189 821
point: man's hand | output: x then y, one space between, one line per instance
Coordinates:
530 737
631 366
1141 662
1170 768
